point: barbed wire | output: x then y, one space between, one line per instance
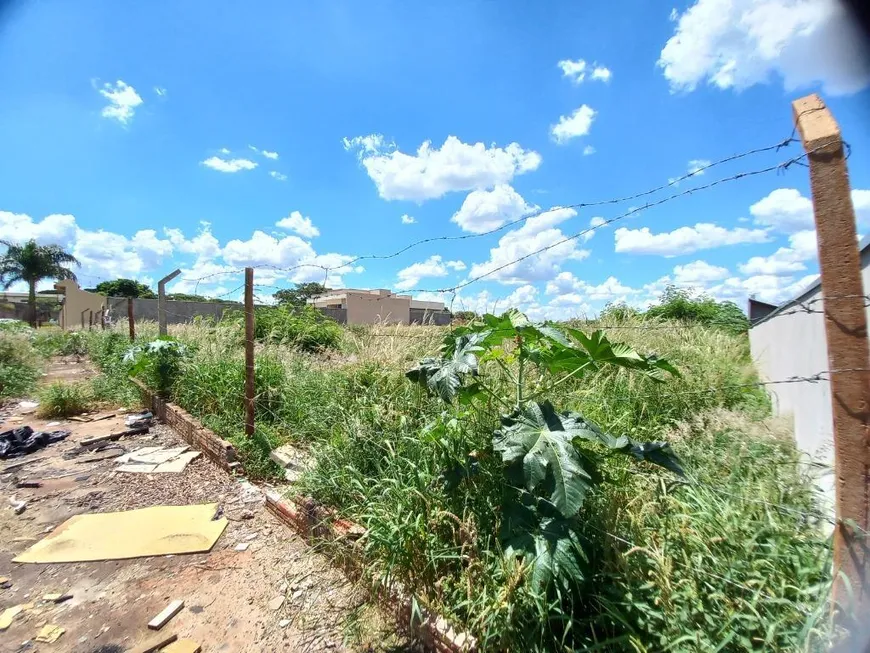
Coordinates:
345 265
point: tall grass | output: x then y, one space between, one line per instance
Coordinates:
732 560
20 363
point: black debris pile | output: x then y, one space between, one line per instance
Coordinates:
24 440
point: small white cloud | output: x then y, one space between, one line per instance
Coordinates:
408 219
601 74
274 174
224 150
577 124
697 166
161 92
785 260
698 272
684 240
299 224
589 149
431 267
371 144
573 70
484 210
123 100
228 165
269 155
673 15
571 290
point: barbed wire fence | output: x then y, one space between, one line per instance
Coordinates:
840 301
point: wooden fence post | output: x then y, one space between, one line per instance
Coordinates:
848 355
130 319
161 301
90 319
249 351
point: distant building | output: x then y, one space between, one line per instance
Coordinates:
354 306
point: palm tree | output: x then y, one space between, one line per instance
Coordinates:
32 263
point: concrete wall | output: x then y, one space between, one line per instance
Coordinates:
337 314
425 316
75 301
374 309
794 345
177 312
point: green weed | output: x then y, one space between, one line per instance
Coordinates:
61 399
19 363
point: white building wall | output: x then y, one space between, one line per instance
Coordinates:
790 345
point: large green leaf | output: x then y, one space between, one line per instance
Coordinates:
444 376
602 351
541 441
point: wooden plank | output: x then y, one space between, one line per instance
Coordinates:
113 436
168 612
155 643
183 646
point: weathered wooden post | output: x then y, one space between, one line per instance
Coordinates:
130 319
848 355
249 351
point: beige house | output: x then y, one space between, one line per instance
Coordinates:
354 306
80 308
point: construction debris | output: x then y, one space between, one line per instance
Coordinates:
156 460
242 546
154 644
158 530
183 646
57 597
24 440
17 506
49 634
28 484
168 612
5 582
139 420
9 614
113 436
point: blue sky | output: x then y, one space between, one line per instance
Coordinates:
208 137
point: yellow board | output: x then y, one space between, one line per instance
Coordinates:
159 530
182 646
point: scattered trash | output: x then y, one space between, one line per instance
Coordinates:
24 440
242 546
276 602
9 614
113 436
25 484
99 418
139 419
18 506
154 644
252 536
53 424
49 634
283 623
28 406
168 612
246 514
5 583
183 646
157 460
57 598
157 530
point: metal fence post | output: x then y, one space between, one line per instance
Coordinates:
249 351
848 355
161 301
130 319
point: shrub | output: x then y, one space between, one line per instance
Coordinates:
63 399
304 327
55 342
19 363
157 364
679 304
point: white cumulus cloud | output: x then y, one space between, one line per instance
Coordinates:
274 174
684 240
484 210
229 165
433 172
301 225
787 210
123 100
786 260
577 124
434 266
699 272
734 44
408 219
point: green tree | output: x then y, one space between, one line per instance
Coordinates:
297 296
32 263
124 288
679 304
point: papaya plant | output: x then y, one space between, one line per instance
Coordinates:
551 458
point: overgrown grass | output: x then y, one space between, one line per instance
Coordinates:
733 559
20 363
64 399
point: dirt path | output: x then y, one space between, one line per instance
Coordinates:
277 595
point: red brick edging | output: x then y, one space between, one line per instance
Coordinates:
309 519
221 452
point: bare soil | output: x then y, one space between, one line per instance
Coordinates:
278 595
